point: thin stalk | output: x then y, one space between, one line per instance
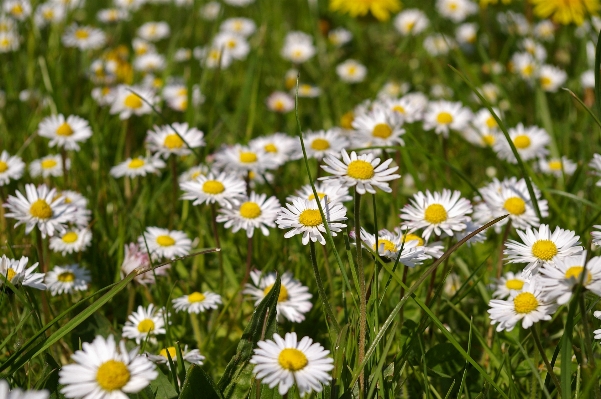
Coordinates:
196 329
217 244
500 260
404 279
249 257
546 360
588 368
321 290
40 247
64 158
174 188
362 292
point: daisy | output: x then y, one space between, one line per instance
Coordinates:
411 22
9 41
437 212
331 191
210 11
389 245
280 101
11 168
393 89
197 302
225 190
339 37
18 9
163 243
406 109
135 259
466 34
73 240
254 212
278 146
17 273
7 393
293 300
530 142
67 279
243 159
241 26
50 165
539 248
321 143
363 171
83 37
595 165
139 166
104 371
145 324
351 71
154 31
214 57
129 5
308 91
527 306
557 166
192 356
133 100
438 44
193 173
378 127
508 284
432 250
176 139
285 362
112 15
232 43
456 10
559 280
149 63
65 132
544 30
49 13
298 47
40 207
82 215
303 217
442 116
471 227
551 78
536 49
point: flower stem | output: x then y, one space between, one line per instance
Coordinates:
174 188
249 257
217 244
322 293
362 293
196 328
500 260
588 360
545 359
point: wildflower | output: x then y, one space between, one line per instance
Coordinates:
278 146
9 41
16 272
11 168
149 63
411 22
226 190
509 283
525 65
49 13
284 362
73 240
232 43
438 44
551 78
64 132
321 143
279 101
197 302
442 116
595 165
154 31
298 47
241 26
83 37
329 190
409 108
379 127
214 57
466 34
7 393
67 279
389 245
210 11
112 15
254 212
18 9
133 100
145 324
163 243
557 166
339 37
244 159
138 166
82 215
431 250
530 142
565 13
308 91
192 356
456 10
106 371
176 139
380 9
351 71
193 173
136 259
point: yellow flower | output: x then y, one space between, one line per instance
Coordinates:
381 9
565 11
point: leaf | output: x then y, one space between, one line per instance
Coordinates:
162 387
50 380
199 384
597 83
237 378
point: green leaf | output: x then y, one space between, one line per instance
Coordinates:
50 380
199 384
566 351
162 387
237 378
597 83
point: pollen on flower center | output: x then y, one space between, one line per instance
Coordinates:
10 274
172 352
346 121
444 118
64 130
3 166
361 170
320 144
282 297
311 197
292 359
66 277
69 237
271 148
399 109
521 142
213 187
545 81
525 302
576 271
555 165
491 122
48 163
82 34
173 141
146 326
248 157
196 297
250 210
514 284
136 163
387 244
488 139
40 209
435 214
381 130
414 237
112 375
515 205
310 217
133 101
544 249
165 241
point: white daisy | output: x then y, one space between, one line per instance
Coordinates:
431 249
50 165
192 356
9 41
145 324
210 11
112 15
254 212
483 130
293 300
232 43
65 132
241 26
321 143
466 34
133 100
154 31
389 245
405 108
278 146
67 279
307 91
103 371
531 142
557 166
411 21
49 13
551 78
303 217
83 37
11 168
339 36
243 159
542 247
298 47
17 273
280 101
524 65
139 166
456 10
82 215
149 63
509 283
443 116
213 57
285 362
7 393
137 259
18 9
438 44
331 191
595 165
175 139
351 71
379 127
73 240
165 243
197 302
225 190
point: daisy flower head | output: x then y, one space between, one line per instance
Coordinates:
133 100
431 249
303 217
11 168
380 126
389 245
530 142
380 9
551 78
241 26
509 283
9 41
149 63
154 31
197 302
307 91
7 393
365 172
193 173
145 324
83 37
232 43
210 11
536 49
471 227
293 300
82 215
437 213
338 37
557 166
278 146
456 10
595 165
244 159
443 116
351 71
285 362
67 279
18 274
255 212
165 243
225 190
176 139
330 191
71 241
438 44
138 166
298 47
542 247
214 57
321 143
192 356
65 132
112 15
238 3
406 109
40 207
565 13
527 306
105 370
466 34
411 21
136 259
280 101
17 9
544 30
49 13
524 65
50 165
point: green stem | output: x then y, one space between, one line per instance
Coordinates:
362 291
546 360
588 367
217 244
322 293
196 329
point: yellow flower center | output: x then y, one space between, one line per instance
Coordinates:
361 170
527 70
64 130
133 101
320 195
165 241
69 237
435 214
521 142
525 303
488 139
172 352
66 277
196 297
381 130
136 163
544 249
514 284
388 245
40 209
82 34
545 81
555 165
112 375
292 359
213 187
17 9
576 271
515 205
48 163
10 274
282 297
320 144
398 109
248 157
146 326
250 210
444 118
414 237
310 217
3 166
491 123
346 121
173 141
271 148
